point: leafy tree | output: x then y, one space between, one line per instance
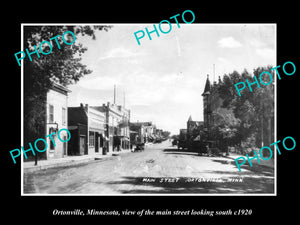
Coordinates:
252 112
225 128
61 65
264 103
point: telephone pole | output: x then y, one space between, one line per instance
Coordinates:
114 94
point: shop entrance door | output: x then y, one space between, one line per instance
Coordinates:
82 145
96 142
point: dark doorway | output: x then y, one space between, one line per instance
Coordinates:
82 148
96 142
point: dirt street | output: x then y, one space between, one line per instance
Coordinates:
160 169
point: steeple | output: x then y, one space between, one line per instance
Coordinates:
190 118
207 87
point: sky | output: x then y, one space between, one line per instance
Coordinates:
162 79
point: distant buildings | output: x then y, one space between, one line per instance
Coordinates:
193 128
201 130
117 126
145 132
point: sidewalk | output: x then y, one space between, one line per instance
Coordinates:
268 163
68 161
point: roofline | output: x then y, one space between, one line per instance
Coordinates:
60 88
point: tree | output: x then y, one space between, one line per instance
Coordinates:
61 65
264 102
253 110
225 128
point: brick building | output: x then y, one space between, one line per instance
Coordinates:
215 115
211 106
87 126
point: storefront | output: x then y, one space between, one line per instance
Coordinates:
57 118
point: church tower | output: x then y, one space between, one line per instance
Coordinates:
189 125
206 104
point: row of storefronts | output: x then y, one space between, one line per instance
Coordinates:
101 129
98 129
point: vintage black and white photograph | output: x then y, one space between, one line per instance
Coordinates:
126 109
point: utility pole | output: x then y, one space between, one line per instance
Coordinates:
214 73
262 126
114 94
124 99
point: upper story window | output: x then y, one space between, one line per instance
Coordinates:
63 116
51 113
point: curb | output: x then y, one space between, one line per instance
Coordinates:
72 162
55 165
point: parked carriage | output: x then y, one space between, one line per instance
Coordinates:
199 143
182 139
136 142
174 142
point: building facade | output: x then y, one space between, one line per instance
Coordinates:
211 104
214 115
143 132
96 130
193 129
56 119
87 126
117 126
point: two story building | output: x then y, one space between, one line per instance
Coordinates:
87 126
117 121
56 119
